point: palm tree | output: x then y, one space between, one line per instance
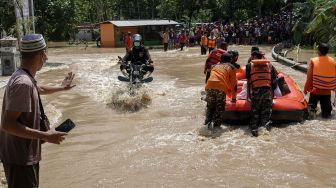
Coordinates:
316 20
323 26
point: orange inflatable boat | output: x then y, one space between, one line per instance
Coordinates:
290 107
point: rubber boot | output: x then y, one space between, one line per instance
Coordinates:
268 126
208 116
254 132
217 124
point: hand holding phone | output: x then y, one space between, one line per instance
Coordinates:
66 126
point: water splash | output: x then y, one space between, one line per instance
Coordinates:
125 99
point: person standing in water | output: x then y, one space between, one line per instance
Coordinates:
222 81
211 42
128 41
261 76
321 80
204 43
165 40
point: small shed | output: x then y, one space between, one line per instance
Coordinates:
113 33
86 31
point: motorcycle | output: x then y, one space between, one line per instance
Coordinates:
136 72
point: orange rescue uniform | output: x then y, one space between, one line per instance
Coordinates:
223 78
321 76
211 43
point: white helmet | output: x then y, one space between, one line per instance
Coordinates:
137 39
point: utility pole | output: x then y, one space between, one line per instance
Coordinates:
31 14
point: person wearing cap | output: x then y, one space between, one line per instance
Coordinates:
261 78
24 126
137 55
321 80
128 41
222 81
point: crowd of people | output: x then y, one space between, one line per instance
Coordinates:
257 30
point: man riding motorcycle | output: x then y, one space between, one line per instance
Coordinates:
138 55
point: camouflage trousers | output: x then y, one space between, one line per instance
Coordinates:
215 106
261 107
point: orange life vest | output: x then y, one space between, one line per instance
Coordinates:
214 58
324 72
204 41
212 43
260 73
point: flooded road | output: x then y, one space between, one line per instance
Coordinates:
160 145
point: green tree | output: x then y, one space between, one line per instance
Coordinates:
316 21
7 19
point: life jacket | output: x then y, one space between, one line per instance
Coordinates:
214 58
324 73
260 73
204 41
212 43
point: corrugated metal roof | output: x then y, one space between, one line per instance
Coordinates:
128 23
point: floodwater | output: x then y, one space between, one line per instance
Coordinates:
158 139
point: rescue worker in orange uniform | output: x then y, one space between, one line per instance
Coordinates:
204 43
213 59
321 80
261 77
222 81
211 42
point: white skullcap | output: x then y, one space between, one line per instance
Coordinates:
32 43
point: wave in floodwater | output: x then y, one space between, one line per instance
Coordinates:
205 132
130 100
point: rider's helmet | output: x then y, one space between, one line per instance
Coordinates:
137 40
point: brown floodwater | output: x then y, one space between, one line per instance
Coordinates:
156 138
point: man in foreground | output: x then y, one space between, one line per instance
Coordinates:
24 126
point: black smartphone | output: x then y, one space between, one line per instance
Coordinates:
66 126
